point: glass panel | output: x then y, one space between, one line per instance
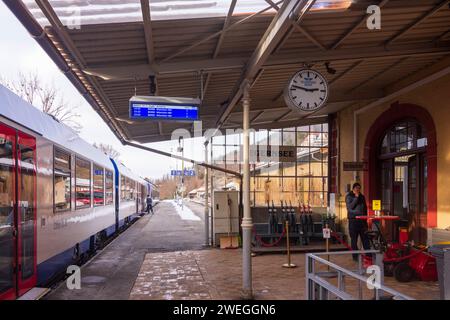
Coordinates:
109 187
7 178
275 137
99 190
62 177
82 183
289 169
303 169
404 136
303 139
27 201
288 138
317 199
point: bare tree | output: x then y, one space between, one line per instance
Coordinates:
32 89
108 149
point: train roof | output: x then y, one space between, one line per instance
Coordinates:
19 111
128 173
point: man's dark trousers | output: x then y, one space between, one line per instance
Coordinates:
358 228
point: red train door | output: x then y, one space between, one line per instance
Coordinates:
17 213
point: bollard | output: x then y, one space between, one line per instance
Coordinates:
288 247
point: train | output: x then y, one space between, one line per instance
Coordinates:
60 197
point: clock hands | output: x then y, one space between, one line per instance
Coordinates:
306 89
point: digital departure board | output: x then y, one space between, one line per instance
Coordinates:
172 109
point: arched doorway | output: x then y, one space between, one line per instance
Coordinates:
401 153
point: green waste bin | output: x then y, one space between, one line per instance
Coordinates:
442 254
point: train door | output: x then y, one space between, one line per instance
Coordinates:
17 213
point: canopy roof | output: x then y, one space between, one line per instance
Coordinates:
121 43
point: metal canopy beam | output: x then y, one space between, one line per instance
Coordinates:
295 25
220 41
67 41
355 27
216 34
422 18
380 73
131 72
146 16
167 154
336 97
267 44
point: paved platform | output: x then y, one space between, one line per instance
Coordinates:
161 257
216 274
112 272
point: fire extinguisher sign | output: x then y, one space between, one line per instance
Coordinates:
326 233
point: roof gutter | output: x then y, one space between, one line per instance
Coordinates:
18 8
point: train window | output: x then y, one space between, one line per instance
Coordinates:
127 189
99 190
109 185
82 183
132 184
122 187
62 175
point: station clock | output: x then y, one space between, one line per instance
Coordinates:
307 91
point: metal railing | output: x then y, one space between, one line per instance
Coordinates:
319 288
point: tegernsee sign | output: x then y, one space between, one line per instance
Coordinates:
264 153
355 166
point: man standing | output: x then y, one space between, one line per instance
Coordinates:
149 202
356 206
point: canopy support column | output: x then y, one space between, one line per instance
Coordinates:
206 197
247 224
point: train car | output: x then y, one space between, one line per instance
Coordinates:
59 196
131 192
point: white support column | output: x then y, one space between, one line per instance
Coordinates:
206 197
247 224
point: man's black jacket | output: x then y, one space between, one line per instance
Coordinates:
356 206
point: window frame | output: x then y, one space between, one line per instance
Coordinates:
63 151
112 187
77 157
94 167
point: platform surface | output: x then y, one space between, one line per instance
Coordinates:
35 293
162 257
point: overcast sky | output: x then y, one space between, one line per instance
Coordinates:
21 53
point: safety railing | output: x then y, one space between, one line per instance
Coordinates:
318 287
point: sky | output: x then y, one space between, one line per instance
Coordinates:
19 52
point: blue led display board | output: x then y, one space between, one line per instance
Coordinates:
189 173
163 111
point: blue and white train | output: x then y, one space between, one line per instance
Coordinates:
60 197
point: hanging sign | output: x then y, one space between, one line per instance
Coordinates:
355 166
326 233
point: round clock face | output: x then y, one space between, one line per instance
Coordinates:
307 91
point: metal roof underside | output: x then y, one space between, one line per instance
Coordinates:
113 60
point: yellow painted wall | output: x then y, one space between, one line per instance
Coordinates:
435 98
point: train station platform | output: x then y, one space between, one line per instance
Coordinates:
161 257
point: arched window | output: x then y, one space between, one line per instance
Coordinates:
404 136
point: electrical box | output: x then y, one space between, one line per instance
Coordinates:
226 215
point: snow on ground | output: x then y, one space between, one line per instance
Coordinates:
185 213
